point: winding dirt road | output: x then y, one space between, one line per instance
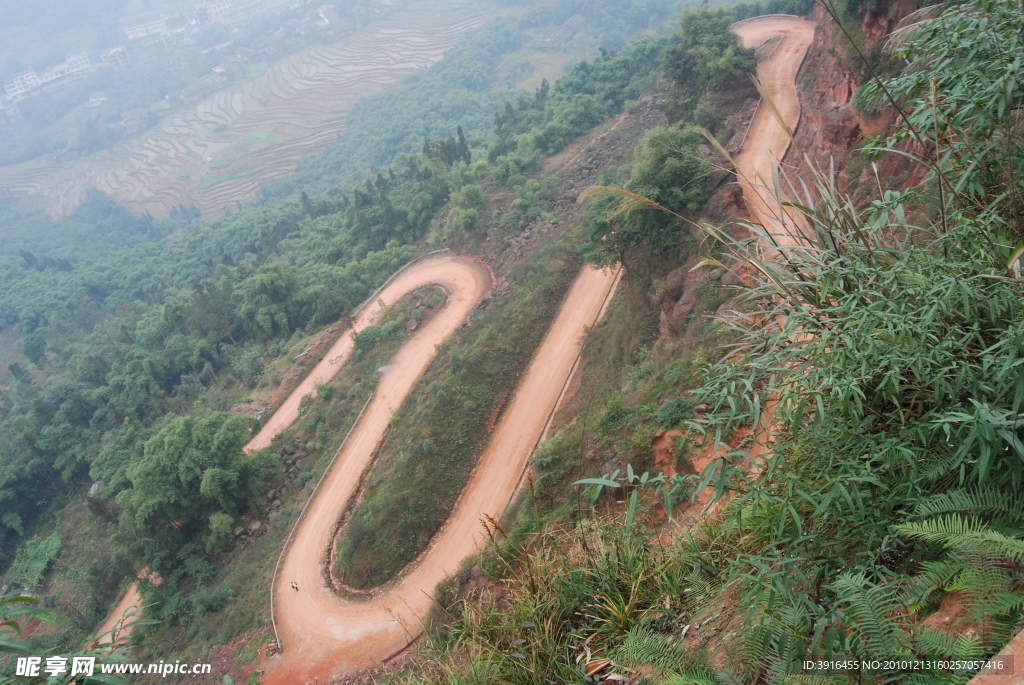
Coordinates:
767 140
466 281
324 635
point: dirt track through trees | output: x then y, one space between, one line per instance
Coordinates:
766 144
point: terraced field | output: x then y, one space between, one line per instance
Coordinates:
220 151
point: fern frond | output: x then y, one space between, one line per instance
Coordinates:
1002 546
692 676
699 589
939 644
935 643
874 611
809 679
947 529
987 590
988 502
937 575
644 647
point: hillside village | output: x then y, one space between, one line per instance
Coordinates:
159 37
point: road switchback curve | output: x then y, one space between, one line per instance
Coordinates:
767 139
323 634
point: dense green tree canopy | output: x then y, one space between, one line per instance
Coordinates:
704 53
190 471
670 168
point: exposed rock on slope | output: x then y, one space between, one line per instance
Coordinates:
831 127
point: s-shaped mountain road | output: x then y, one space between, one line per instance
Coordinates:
767 139
324 635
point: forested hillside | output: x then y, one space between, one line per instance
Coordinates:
127 340
775 450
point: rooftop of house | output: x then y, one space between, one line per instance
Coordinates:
557 40
507 65
575 21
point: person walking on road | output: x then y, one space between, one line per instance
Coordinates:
295 586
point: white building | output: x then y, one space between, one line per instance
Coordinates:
215 9
72 65
22 83
244 11
9 107
29 80
117 57
145 28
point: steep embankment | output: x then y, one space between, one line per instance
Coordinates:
323 634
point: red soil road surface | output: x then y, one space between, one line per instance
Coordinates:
324 635
132 601
767 141
1012 672
466 281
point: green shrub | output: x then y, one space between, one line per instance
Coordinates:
368 338
672 412
615 415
